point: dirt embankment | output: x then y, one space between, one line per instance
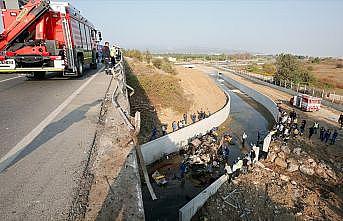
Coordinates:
163 98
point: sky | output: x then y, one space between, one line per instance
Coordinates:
304 27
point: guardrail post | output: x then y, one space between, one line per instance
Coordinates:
298 87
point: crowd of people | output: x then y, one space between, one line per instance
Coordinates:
289 126
191 119
176 125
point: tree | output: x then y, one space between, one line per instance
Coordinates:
269 69
289 68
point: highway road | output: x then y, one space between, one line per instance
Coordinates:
47 129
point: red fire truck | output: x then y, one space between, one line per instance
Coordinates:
306 102
40 36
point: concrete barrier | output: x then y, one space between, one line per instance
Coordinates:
170 143
189 210
257 96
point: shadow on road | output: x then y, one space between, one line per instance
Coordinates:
54 129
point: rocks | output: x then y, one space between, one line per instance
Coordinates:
285 149
284 177
311 162
271 156
292 166
306 170
320 171
297 151
281 155
280 162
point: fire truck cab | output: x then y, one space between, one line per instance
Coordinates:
40 36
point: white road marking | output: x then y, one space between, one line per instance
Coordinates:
8 79
15 151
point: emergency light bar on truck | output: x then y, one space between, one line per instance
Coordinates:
44 36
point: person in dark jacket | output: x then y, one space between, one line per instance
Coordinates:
340 121
106 55
321 134
327 135
302 127
334 137
311 132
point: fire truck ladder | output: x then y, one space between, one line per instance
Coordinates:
29 14
69 56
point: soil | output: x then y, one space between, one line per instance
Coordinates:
168 96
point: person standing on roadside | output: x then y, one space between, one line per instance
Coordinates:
106 55
174 126
185 118
334 137
293 115
327 135
302 127
244 138
194 118
315 127
311 132
113 52
321 134
340 121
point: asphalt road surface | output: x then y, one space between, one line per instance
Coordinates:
47 128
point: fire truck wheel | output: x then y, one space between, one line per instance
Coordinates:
79 66
39 75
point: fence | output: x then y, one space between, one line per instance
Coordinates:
170 143
330 98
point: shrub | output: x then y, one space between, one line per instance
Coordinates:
157 62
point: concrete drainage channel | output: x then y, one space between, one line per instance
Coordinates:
171 143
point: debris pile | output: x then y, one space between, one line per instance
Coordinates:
288 185
204 154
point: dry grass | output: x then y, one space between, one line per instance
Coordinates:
328 73
164 91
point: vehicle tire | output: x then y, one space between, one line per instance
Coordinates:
38 75
79 66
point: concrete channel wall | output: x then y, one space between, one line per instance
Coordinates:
170 143
189 210
257 96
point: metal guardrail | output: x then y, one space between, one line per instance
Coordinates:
118 73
